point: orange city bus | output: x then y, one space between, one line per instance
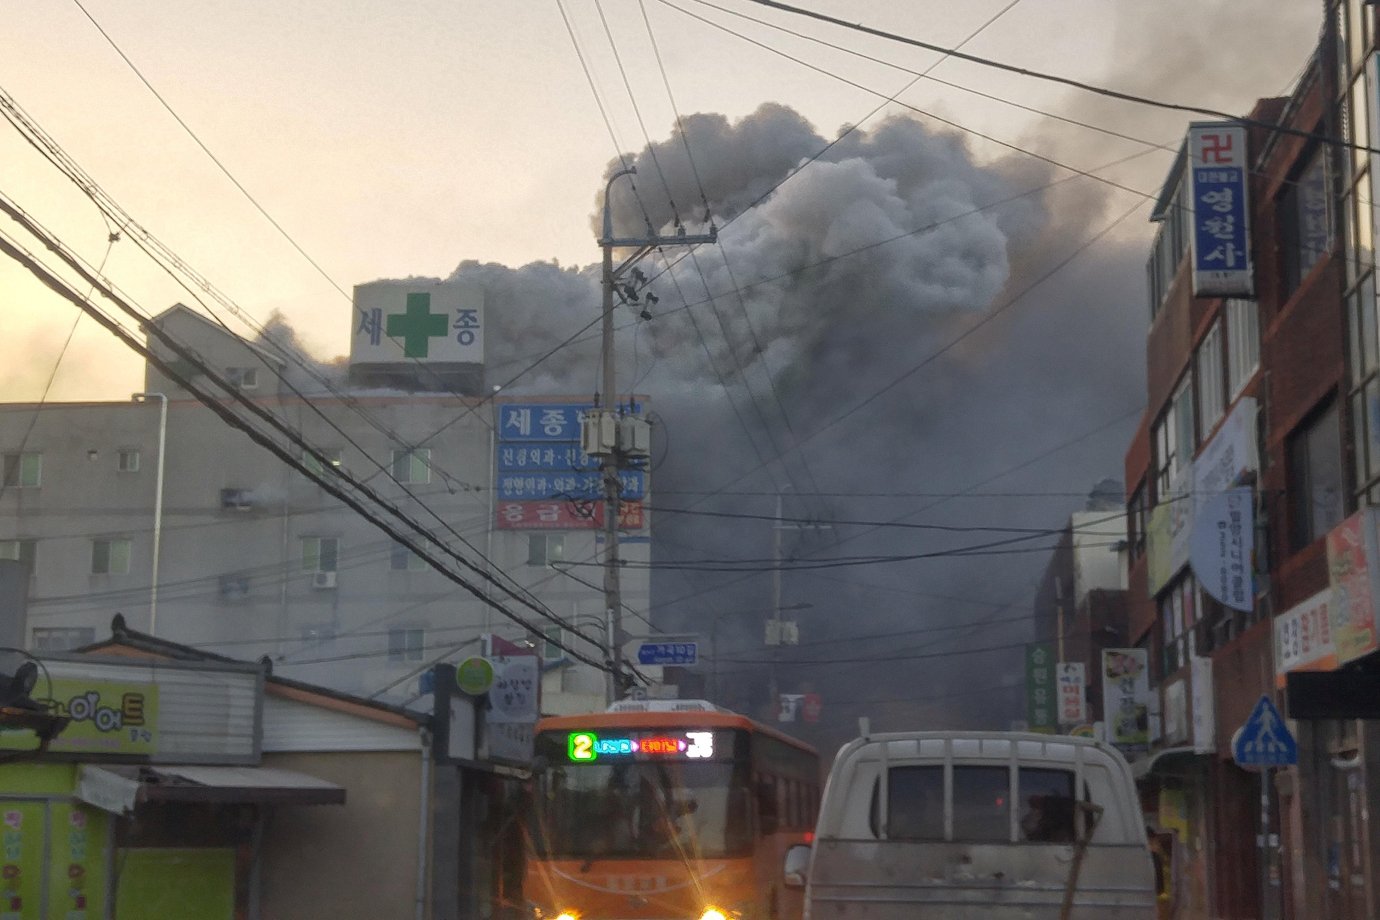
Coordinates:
667 810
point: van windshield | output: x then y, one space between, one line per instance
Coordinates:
642 810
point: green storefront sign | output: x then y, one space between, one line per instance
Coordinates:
1040 688
107 717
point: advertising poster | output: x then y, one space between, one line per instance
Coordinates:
1126 697
1303 637
1351 569
1073 680
21 871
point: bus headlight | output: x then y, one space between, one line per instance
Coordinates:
713 913
568 915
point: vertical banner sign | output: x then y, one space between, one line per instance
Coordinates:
1220 548
22 836
1040 699
76 874
1073 708
1352 569
1126 697
1303 638
1220 237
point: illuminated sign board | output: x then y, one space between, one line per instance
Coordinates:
586 747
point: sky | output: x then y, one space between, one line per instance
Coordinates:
1000 352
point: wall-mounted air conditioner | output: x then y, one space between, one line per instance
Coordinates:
323 581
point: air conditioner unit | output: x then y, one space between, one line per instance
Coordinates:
323 581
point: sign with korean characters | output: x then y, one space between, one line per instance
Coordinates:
545 481
404 322
1303 638
1073 679
1219 206
513 696
1221 546
1353 569
107 717
1126 697
1040 688
77 870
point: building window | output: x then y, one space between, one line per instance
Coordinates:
1210 380
412 466
1170 247
320 554
23 470
1137 519
1317 502
127 460
22 551
406 644
404 560
1243 344
1178 613
332 455
61 638
1185 433
110 556
1303 221
246 378
545 548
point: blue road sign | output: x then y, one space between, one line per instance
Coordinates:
1265 741
667 653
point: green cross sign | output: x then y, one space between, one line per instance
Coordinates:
417 326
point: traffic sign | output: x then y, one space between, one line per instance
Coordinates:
1265 741
667 653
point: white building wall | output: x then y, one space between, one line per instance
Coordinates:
335 636
1098 563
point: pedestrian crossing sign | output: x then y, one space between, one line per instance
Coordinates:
1265 741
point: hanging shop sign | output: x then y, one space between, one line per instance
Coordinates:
1126 697
1353 571
1220 548
107 717
1219 198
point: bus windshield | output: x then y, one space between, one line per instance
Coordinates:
646 810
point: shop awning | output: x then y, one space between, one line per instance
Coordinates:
1163 760
120 789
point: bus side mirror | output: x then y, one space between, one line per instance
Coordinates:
797 866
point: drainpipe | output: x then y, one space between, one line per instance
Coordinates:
157 502
423 813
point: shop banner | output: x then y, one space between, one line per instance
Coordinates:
22 836
1126 698
76 879
1040 688
1073 680
1220 548
1353 569
1204 706
107 717
1231 453
1303 637
1220 210
1168 532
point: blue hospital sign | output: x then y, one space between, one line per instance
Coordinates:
429 322
1220 210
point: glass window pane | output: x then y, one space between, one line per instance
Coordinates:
1358 427
982 806
1047 805
1372 429
1370 343
329 551
915 803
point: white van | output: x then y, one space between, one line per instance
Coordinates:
990 825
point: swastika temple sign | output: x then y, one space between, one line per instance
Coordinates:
1219 209
431 322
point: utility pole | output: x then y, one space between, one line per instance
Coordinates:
612 439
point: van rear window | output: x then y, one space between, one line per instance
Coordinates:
982 804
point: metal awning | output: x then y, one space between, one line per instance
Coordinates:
1162 760
120 789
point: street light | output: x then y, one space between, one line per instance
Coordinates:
157 502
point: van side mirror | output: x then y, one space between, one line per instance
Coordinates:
797 866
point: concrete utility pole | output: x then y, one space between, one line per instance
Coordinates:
608 441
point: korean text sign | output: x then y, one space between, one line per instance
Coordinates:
1126 697
1220 203
107 717
1041 690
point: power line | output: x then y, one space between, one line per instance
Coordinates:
265 441
1065 81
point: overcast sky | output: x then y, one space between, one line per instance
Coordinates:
391 140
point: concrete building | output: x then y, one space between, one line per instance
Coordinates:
155 508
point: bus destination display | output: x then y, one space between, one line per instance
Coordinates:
586 747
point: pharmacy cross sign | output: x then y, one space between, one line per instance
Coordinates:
417 326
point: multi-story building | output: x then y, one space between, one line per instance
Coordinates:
1251 488
154 507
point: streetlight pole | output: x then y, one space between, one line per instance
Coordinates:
157 502
605 442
